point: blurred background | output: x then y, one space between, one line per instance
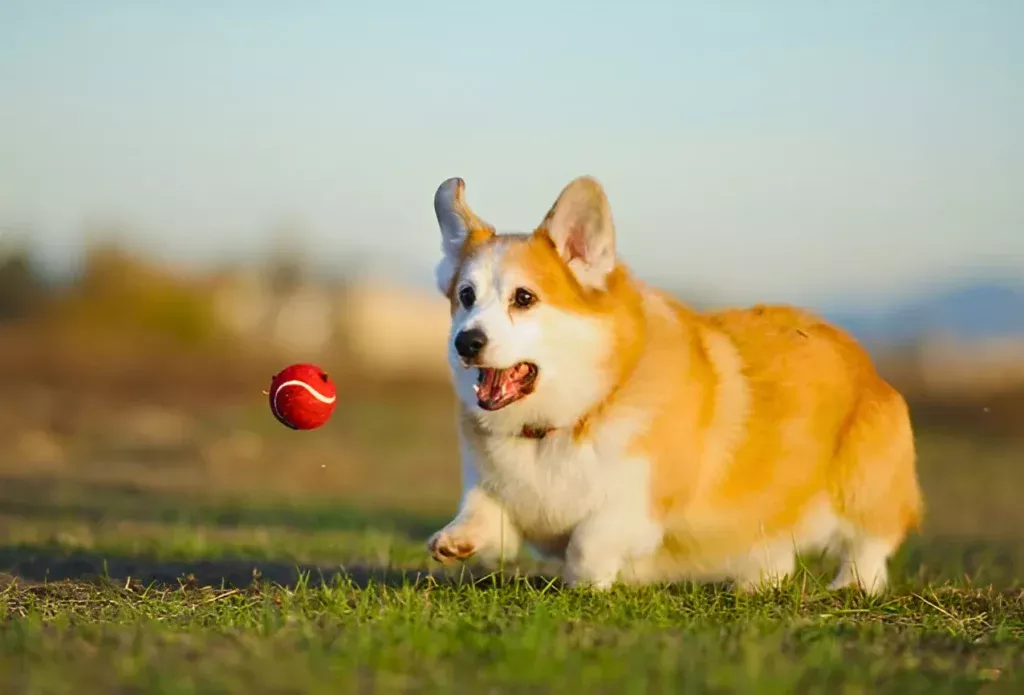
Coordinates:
193 195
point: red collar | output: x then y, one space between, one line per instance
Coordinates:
536 432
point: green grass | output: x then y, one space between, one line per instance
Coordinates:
334 599
428 635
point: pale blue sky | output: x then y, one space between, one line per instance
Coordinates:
758 150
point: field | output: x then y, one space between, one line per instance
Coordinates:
165 545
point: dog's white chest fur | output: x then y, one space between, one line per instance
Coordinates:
549 486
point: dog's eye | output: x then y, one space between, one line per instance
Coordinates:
523 298
467 295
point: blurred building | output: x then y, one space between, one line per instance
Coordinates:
377 325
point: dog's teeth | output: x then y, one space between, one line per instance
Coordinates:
476 389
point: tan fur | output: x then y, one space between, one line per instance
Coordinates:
789 408
753 420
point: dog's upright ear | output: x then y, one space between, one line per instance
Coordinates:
580 226
460 228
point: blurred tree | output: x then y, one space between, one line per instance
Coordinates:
121 293
21 288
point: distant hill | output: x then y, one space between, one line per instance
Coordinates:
974 310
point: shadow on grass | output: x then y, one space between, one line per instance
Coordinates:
41 498
36 564
923 562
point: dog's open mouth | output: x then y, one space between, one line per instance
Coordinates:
497 388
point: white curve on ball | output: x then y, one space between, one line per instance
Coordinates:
295 382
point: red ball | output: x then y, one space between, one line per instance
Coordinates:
302 396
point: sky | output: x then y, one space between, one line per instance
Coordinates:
783 151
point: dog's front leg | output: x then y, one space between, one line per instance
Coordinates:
602 544
482 527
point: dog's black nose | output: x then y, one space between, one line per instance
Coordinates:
470 342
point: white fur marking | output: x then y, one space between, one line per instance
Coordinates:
865 564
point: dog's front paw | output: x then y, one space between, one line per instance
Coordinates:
577 576
449 544
574 582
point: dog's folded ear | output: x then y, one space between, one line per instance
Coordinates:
460 226
580 226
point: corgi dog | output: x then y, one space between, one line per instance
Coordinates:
609 426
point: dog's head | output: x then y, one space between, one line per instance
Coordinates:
540 322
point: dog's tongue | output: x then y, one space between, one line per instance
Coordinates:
494 385
499 387
490 383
